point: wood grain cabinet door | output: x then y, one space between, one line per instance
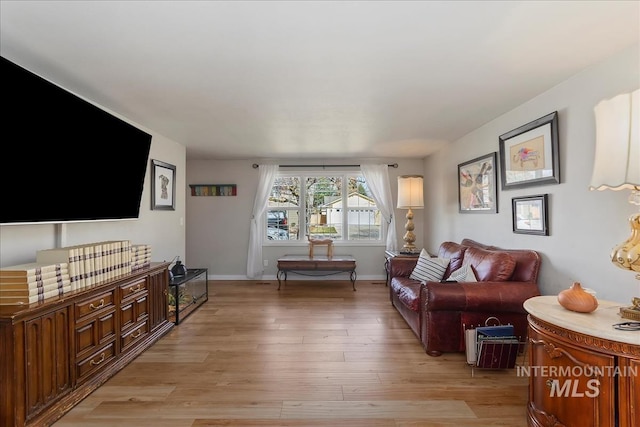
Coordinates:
629 392
569 386
158 284
48 358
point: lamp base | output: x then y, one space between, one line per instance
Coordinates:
627 254
409 237
630 313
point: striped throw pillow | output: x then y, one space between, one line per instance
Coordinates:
429 269
463 274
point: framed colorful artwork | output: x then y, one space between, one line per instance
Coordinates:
529 154
477 189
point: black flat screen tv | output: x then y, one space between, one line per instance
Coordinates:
63 158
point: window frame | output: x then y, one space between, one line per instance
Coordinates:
303 175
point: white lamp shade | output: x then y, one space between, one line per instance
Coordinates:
410 192
617 157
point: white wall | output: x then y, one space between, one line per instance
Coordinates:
160 229
218 227
584 225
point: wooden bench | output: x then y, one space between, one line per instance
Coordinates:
316 266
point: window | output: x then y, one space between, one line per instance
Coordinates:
336 206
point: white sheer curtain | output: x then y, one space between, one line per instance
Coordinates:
377 177
256 227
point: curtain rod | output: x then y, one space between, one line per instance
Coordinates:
255 166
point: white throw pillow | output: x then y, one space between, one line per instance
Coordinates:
429 269
463 274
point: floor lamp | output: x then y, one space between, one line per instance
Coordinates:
410 196
617 167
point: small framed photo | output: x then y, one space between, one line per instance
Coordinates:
163 186
530 215
529 154
477 189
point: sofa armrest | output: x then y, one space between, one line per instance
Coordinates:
401 267
479 296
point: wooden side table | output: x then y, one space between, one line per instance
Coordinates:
394 254
582 371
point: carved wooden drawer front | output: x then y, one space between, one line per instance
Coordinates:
89 306
95 331
94 362
134 305
95 323
132 288
129 339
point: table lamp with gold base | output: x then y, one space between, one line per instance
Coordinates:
617 167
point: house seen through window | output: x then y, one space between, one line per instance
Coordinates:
336 206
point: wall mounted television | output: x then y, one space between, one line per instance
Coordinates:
63 158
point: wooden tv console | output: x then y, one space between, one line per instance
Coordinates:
55 353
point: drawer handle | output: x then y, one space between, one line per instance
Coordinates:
136 334
95 307
136 289
94 363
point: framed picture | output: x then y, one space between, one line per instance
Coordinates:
477 185
163 186
530 215
529 154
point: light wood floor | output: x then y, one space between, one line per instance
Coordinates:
315 353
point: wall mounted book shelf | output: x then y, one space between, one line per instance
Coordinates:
213 189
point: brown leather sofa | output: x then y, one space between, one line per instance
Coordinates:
438 312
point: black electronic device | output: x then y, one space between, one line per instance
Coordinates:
71 161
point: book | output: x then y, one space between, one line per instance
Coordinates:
497 353
32 268
115 258
68 255
56 280
97 263
496 347
107 260
34 291
495 331
18 300
33 278
89 266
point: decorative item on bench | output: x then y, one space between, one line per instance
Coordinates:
492 346
320 242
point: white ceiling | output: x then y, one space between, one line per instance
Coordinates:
325 79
